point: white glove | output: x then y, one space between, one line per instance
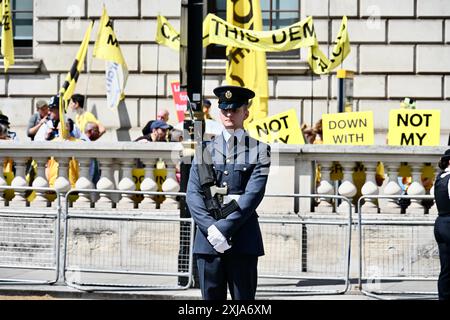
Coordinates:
222 247
215 236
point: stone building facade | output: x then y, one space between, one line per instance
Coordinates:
399 49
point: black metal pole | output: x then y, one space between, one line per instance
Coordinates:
191 59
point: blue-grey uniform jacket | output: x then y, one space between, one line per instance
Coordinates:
245 171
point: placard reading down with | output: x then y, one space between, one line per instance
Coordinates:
414 127
348 128
282 127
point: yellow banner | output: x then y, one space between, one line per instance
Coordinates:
7 47
298 35
348 128
166 34
414 127
107 46
237 35
317 59
116 71
282 127
69 84
248 68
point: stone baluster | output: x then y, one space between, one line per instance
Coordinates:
126 184
392 188
2 183
62 183
347 188
416 189
149 184
19 199
84 182
325 188
170 185
40 181
370 188
106 182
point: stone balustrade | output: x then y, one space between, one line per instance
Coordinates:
293 170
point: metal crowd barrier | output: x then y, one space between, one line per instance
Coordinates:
29 242
395 251
313 250
117 250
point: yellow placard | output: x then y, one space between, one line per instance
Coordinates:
282 127
409 127
348 128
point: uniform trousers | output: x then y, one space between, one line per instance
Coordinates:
442 235
238 271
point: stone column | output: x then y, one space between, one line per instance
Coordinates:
347 188
170 185
416 189
370 188
106 182
19 199
126 184
149 184
84 182
40 182
325 188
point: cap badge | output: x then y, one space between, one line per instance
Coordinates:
228 94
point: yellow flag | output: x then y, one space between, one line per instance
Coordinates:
7 48
166 34
69 84
319 63
107 48
248 68
63 133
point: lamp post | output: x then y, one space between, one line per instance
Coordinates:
191 59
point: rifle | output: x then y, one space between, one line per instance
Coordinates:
208 180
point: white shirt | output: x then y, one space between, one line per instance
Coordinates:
239 133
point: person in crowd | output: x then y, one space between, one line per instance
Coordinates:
227 248
442 224
51 128
162 115
159 132
5 121
37 119
76 104
206 107
92 131
319 132
4 132
308 133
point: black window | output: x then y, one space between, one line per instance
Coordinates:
22 17
276 14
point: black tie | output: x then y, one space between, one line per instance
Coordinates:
232 142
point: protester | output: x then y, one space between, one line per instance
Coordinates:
206 107
51 128
227 248
37 119
76 104
308 133
92 131
5 121
163 116
4 132
159 130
